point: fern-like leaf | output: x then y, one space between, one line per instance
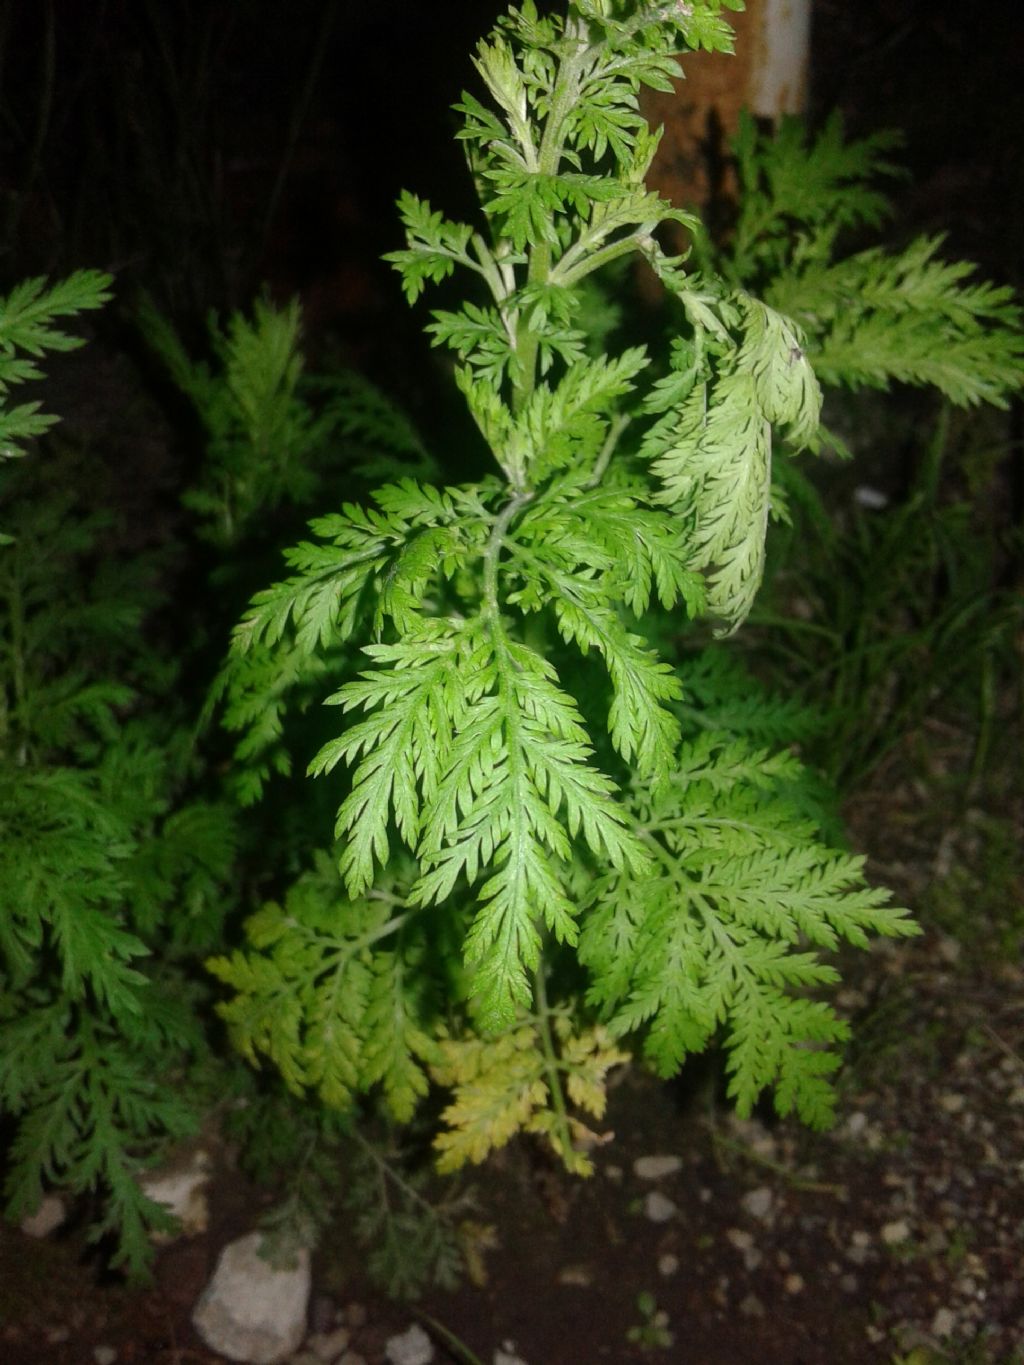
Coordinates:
723 935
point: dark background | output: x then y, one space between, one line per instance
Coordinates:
201 147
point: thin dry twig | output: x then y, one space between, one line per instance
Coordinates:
791 1177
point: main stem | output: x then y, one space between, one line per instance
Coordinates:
549 157
551 1071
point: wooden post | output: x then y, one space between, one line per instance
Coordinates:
767 75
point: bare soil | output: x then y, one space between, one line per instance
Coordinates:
900 1231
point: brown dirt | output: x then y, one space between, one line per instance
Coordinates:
901 1230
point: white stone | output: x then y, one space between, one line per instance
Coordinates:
739 1238
413 1347
871 499
944 1322
182 1191
506 1357
658 1208
758 1203
46 1219
251 1310
949 949
104 1355
656 1167
668 1264
894 1233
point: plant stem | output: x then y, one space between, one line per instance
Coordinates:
551 1067
388 1172
492 553
580 261
453 1342
615 430
776 1167
565 94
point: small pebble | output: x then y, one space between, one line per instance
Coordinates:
657 1167
104 1355
952 1103
944 1323
329 1345
740 1239
849 1284
581 1276
758 1203
46 1219
753 1258
949 949
658 1208
849 999
613 1173
507 1356
793 1284
668 1264
871 499
752 1307
413 1347
893 1234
